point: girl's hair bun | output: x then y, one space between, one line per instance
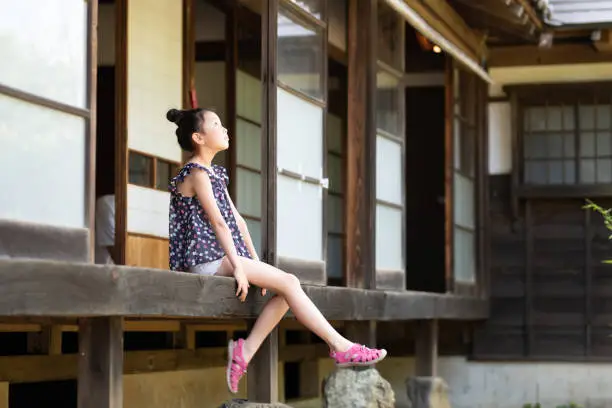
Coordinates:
174 115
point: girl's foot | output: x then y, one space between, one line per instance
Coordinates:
358 355
236 364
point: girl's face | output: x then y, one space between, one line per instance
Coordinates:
214 135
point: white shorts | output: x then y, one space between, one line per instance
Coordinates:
208 268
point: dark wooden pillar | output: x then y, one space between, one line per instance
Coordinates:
100 378
361 158
262 378
361 146
426 348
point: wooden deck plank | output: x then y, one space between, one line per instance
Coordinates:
30 288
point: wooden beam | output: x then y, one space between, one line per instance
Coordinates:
474 49
20 328
41 368
100 379
262 380
533 55
533 15
4 395
426 348
38 288
475 41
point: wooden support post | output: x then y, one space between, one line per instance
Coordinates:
4 395
47 341
100 378
361 160
362 332
185 338
426 348
262 379
360 212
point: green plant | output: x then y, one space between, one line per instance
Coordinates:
607 217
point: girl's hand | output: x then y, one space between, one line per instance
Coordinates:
243 284
263 291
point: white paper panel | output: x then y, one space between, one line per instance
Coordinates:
500 130
248 192
389 238
255 231
550 118
464 256
464 201
155 69
147 211
43 48
300 224
595 117
248 144
334 257
334 133
594 144
42 163
389 175
248 96
335 214
299 135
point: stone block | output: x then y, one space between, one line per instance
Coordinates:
357 388
427 392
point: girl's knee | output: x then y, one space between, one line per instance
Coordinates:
291 281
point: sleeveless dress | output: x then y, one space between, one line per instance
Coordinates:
192 238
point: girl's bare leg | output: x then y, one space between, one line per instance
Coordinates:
291 295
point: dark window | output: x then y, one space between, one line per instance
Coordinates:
566 142
165 171
140 170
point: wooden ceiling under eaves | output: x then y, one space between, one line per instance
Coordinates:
512 22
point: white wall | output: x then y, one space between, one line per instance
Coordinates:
500 131
510 385
155 69
500 157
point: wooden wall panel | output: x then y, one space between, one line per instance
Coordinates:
147 251
549 285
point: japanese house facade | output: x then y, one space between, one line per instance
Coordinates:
420 165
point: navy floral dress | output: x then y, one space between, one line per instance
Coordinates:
192 238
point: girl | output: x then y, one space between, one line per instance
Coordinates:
209 237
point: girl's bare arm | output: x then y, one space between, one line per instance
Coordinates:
204 191
244 230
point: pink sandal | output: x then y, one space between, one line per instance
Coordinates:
236 366
358 355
